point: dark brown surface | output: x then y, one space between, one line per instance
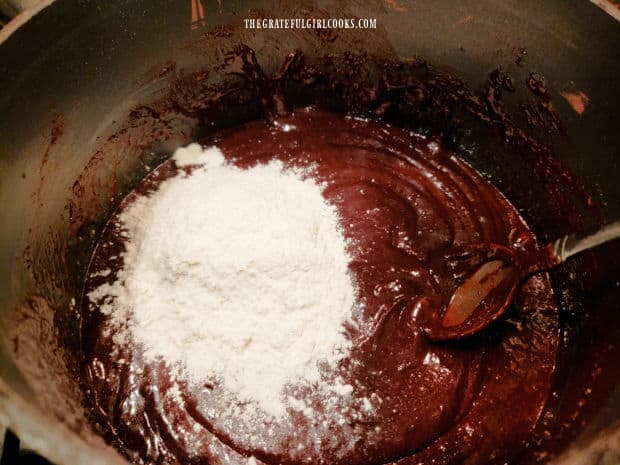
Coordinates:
403 199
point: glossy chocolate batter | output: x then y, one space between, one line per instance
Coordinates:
404 200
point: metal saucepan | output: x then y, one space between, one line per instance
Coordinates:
73 73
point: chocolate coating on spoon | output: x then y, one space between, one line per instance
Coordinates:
478 282
485 277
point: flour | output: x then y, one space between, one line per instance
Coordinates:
236 277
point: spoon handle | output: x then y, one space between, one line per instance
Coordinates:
567 246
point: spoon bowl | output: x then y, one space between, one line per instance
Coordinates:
481 280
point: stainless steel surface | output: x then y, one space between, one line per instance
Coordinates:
571 245
83 65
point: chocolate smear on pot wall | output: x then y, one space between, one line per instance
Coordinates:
411 94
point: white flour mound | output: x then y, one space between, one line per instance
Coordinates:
238 276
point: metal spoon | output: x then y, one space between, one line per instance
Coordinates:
484 278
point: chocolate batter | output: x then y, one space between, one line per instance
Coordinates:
404 200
